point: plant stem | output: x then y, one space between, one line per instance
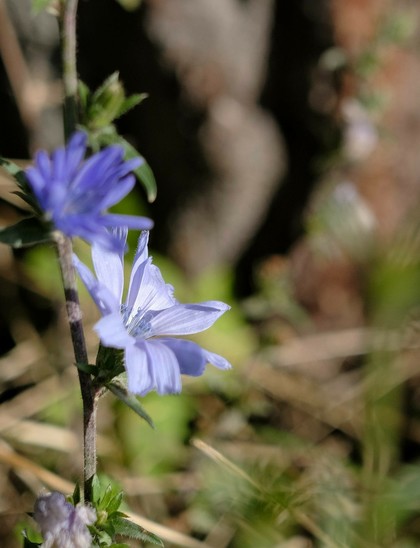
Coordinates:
89 398
67 21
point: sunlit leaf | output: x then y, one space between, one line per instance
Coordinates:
144 172
115 503
96 488
126 528
27 543
131 401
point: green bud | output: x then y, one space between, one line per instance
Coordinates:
106 103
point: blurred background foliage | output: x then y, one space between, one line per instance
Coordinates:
284 139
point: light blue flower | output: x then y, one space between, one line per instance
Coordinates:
75 193
145 325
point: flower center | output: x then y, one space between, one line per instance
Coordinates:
138 325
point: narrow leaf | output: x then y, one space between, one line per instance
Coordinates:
114 503
127 528
143 173
105 85
28 199
131 102
20 177
16 172
29 231
76 494
87 368
84 95
96 488
131 401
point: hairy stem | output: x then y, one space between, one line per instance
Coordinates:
89 398
67 21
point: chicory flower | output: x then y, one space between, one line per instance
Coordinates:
75 193
146 324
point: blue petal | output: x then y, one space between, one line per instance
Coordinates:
218 361
130 221
43 164
75 152
112 331
118 191
141 252
139 378
37 182
185 319
151 365
93 174
148 290
190 356
109 264
139 258
164 368
105 300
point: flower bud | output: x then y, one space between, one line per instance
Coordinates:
63 525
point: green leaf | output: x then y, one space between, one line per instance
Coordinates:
20 177
130 400
96 489
127 528
87 368
106 84
111 499
131 102
84 95
29 199
76 494
143 173
115 503
29 231
104 538
27 543
16 172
